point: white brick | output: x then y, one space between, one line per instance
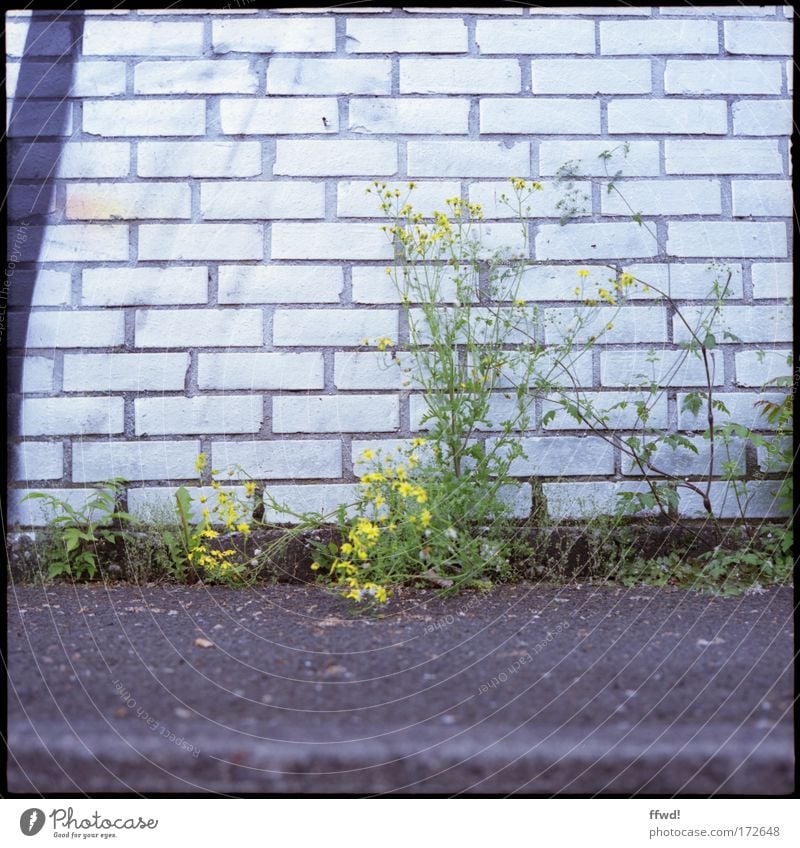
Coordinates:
329 241
62 329
86 79
335 414
591 76
283 459
540 204
409 115
73 160
309 35
719 11
535 36
759 38
199 327
353 201
761 198
602 404
721 238
40 118
384 450
585 500
143 501
722 157
594 241
684 462
161 416
594 11
34 513
790 77
146 117
630 325
323 327
467 159
279 115
641 161
49 38
776 463
742 409
142 38
72 243
545 116
572 369
688 281
502 408
459 76
259 371
40 288
659 116
761 368
722 76
772 280
623 368
664 197
558 282
760 497
164 461
329 76
620 38
144 286
195 77
37 461
749 323
279 284
125 372
473 10
200 241
321 499
480 330
373 370
406 36
762 117
563 456
199 159
71 416
374 285
335 157
228 200
109 201
36 372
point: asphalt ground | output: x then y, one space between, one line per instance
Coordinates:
526 689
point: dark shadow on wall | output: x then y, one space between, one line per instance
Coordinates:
38 128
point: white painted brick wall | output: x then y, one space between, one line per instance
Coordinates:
193 240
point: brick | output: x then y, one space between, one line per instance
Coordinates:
722 157
73 160
367 371
683 462
535 36
23 201
594 241
144 286
412 115
329 76
467 159
688 281
71 242
459 76
110 201
310 35
759 38
621 38
335 414
502 407
320 499
34 513
71 416
761 198
603 405
163 416
591 76
406 36
572 369
762 117
664 197
384 450
324 327
335 158
594 11
260 371
558 282
630 325
585 500
545 117
164 461
195 77
159 501
776 463
200 241
199 327
142 38
39 118
641 161
772 280
722 76
56 79
329 241
125 372
64 329
474 10
199 159
742 409
228 200
749 323
353 201
481 329
37 461
718 11
489 195
279 284
623 368
760 497
39 288
651 117
279 115
47 38
563 456
762 368
283 459
722 238
148 117
33 373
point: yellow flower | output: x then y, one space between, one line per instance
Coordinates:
367 454
242 527
583 273
609 326
249 489
577 290
210 534
346 548
383 343
315 566
417 443
200 462
425 518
